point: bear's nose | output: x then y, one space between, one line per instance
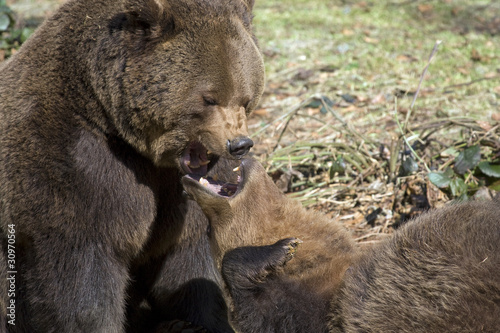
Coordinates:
240 146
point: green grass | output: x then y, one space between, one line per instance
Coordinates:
375 51
377 47
34 8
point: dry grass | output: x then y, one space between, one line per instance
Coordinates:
364 61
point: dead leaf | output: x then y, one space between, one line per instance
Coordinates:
358 218
475 56
312 111
315 135
483 193
370 40
362 98
261 112
362 4
274 85
425 8
281 97
350 108
455 11
406 58
435 196
495 116
379 99
347 32
484 125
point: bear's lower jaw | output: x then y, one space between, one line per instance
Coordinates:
194 159
215 186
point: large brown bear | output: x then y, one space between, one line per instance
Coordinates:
438 273
101 112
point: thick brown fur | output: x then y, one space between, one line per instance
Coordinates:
96 111
438 273
259 215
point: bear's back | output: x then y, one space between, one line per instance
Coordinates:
439 273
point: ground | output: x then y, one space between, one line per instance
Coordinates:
337 111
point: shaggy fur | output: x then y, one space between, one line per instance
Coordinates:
438 273
100 110
260 214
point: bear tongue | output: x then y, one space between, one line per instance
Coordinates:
221 188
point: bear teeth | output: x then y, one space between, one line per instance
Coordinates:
197 165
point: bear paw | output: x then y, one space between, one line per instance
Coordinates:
289 245
252 264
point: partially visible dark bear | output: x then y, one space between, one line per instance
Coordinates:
101 112
438 273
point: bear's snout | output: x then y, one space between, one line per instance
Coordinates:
240 146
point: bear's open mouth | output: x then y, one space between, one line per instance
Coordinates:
215 186
195 159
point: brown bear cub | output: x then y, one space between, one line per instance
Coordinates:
259 214
102 111
438 273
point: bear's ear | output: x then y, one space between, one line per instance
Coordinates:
149 18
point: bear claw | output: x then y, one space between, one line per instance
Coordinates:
293 245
